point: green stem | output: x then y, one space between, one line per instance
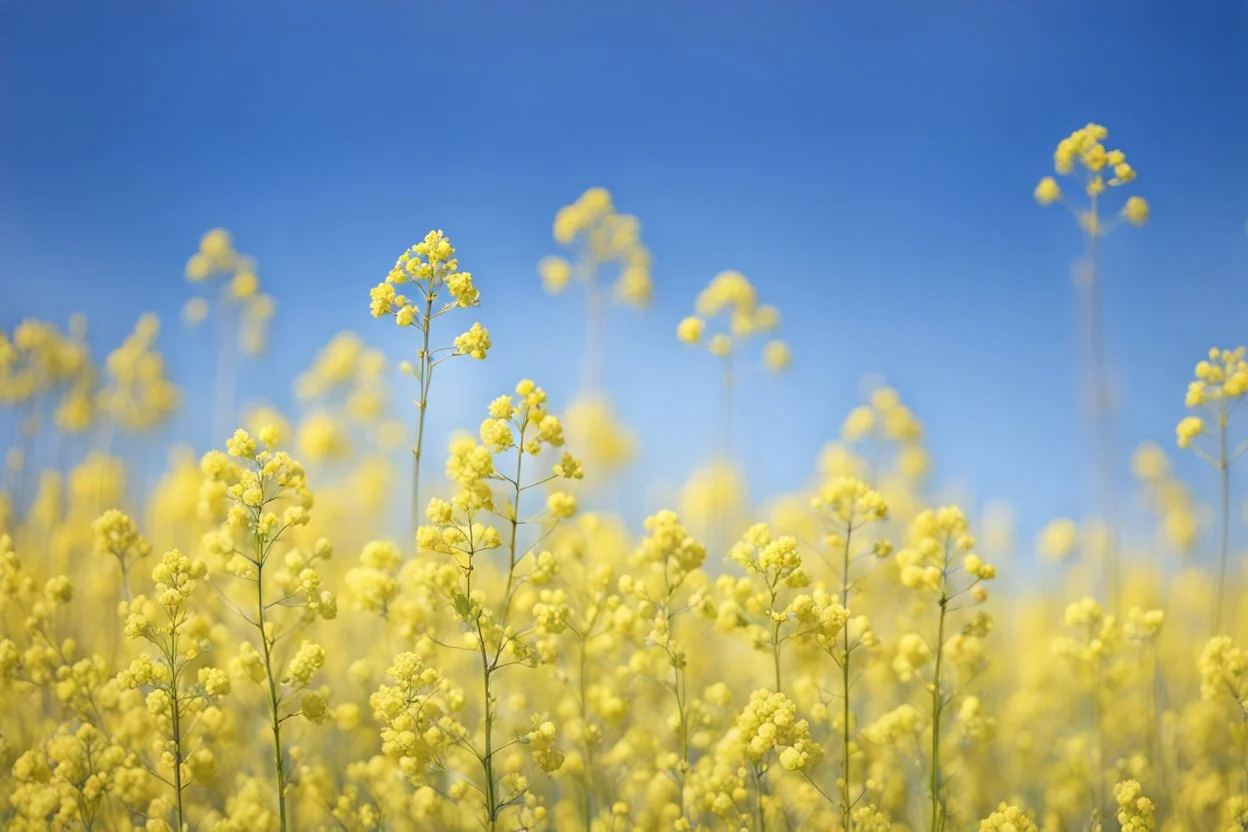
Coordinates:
487 760
1224 480
775 651
759 814
426 372
176 709
515 522
1101 414
846 805
590 786
938 705
775 633
1098 783
274 697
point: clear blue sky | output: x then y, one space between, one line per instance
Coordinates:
868 164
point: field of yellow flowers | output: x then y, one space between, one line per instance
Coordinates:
258 641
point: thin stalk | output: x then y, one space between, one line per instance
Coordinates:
1103 426
488 665
1163 765
678 686
487 760
775 641
759 815
729 383
226 380
1098 787
515 514
590 788
595 336
176 708
846 804
679 683
274 697
1224 481
938 701
426 371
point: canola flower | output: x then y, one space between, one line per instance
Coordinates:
609 258
431 267
730 295
243 311
175 654
604 243
1096 170
263 482
1221 382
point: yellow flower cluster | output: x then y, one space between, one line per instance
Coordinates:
217 257
1135 811
1083 156
527 659
138 395
731 294
603 237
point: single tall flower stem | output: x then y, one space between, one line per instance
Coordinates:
583 682
487 762
489 665
760 815
1098 783
176 713
274 697
595 335
226 380
1224 481
426 372
773 588
938 701
1100 403
729 382
846 803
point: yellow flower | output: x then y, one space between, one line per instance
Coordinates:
1047 192
690 330
1136 210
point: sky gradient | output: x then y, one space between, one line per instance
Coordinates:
868 165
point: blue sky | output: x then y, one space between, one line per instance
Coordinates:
868 165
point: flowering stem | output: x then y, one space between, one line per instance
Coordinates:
679 682
1098 782
591 367
590 790
515 517
1224 479
426 371
775 646
225 381
176 711
274 697
847 820
1101 415
487 762
760 816
678 685
938 701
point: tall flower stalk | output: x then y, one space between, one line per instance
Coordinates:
1220 384
847 506
523 427
176 696
431 268
672 557
243 313
930 567
261 484
1083 157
